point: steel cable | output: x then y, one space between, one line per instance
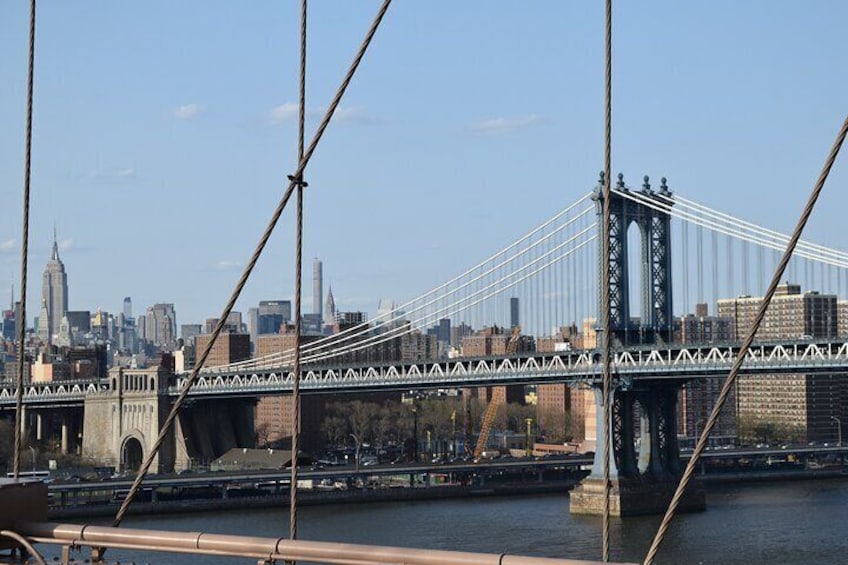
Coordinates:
21 320
743 350
298 266
169 421
605 286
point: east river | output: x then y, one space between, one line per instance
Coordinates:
785 522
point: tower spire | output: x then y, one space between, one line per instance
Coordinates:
55 255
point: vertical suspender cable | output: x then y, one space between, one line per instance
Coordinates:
248 269
730 263
743 350
699 239
684 230
605 284
715 267
21 321
298 267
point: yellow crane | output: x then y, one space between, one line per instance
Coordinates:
494 404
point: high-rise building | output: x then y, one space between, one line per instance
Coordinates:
127 307
54 293
799 406
228 348
160 327
317 286
330 309
513 312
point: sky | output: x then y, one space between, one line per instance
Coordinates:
163 133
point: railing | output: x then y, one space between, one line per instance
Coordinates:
265 550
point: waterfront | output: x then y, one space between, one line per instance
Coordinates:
785 522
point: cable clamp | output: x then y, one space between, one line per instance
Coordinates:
298 181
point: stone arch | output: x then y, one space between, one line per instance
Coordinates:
132 451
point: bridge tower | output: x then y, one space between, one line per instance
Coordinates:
644 470
655 321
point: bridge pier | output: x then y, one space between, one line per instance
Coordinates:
644 484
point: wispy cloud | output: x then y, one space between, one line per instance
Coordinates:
112 174
8 246
226 265
289 111
66 245
501 125
187 112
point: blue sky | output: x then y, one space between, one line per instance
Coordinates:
162 136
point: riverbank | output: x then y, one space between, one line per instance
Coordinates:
407 494
315 498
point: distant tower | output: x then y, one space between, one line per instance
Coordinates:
54 291
513 312
44 323
330 309
127 307
317 286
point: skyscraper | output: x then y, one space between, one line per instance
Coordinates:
317 286
513 312
127 307
330 309
54 292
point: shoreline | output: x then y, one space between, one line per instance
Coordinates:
404 494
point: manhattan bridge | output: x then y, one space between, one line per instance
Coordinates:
656 252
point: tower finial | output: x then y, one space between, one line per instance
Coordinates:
55 255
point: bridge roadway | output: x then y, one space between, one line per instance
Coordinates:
220 480
672 362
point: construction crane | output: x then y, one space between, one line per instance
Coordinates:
495 403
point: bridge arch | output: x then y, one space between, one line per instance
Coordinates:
132 451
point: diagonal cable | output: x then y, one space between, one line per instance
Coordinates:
298 275
743 350
21 321
605 287
169 421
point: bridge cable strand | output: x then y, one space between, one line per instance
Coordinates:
395 315
364 328
450 308
21 321
316 138
830 257
605 287
429 318
454 307
743 350
295 423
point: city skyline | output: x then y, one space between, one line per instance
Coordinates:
93 178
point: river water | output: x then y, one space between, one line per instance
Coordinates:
787 522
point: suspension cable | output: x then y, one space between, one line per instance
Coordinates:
21 321
743 350
458 305
395 315
606 323
316 138
298 267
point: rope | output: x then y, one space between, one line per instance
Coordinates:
297 283
743 350
169 421
605 285
19 393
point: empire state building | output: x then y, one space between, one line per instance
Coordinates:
54 292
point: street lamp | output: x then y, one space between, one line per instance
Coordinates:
838 430
356 444
527 446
